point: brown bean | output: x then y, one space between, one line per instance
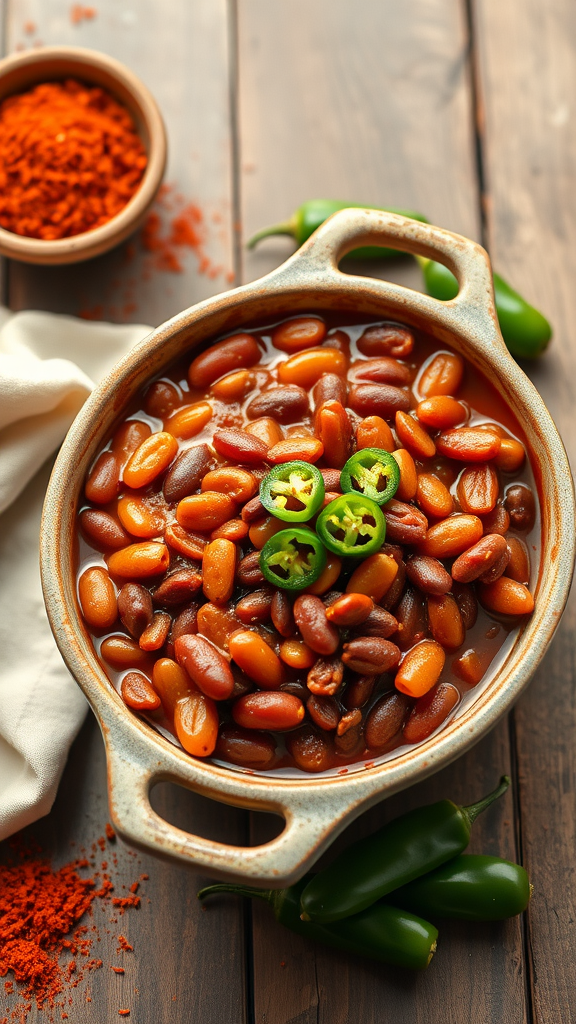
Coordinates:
161 399
442 376
309 749
149 460
441 412
518 567
385 719
339 340
304 368
191 545
374 432
238 352
382 371
172 683
386 340
245 748
350 610
282 614
253 510
497 521
248 572
473 562
370 655
467 603
428 574
331 480
351 743
97 598
218 623
239 445
325 677
378 623
323 711
266 430
445 621
196 724
102 530
286 403
316 631
128 438
333 428
120 652
411 619
206 511
405 524
377 400
253 655
330 388
433 496
155 635
103 480
205 665
186 473
506 597
135 608
374 576
395 591
452 536
408 476
413 436
273 710
420 669
186 621
255 607
478 488
139 561
238 483
521 507
468 444
349 720
358 692
300 333
178 587
497 568
430 711
138 693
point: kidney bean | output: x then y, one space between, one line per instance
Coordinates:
196 724
382 371
257 659
330 388
518 567
396 551
253 510
305 368
104 479
205 665
497 569
350 609
155 635
521 507
138 693
237 352
248 572
191 545
430 711
420 669
350 743
506 597
385 719
325 677
186 473
358 692
304 449
413 436
497 521
349 720
255 607
218 570
339 340
238 483
102 530
233 529
442 376
408 476
473 562
452 536
186 621
386 340
135 608
120 652
310 616
330 597
405 524
370 655
128 437
395 591
178 587
282 614
331 480
441 412
467 603
428 574
246 748
234 386
296 654
171 683
478 488
411 619
328 576
374 432
139 518
466 444
511 456
237 444
273 710
139 561
242 684
287 404
97 598
161 399
323 711
471 666
309 749
218 623
205 511
298 334
333 428
266 430
378 623
377 400
149 460
373 577
445 621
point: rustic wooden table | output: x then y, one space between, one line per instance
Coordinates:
463 109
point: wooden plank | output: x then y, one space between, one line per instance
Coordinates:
182 56
378 109
527 58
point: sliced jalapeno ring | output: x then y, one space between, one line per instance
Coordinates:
372 472
352 525
293 559
293 491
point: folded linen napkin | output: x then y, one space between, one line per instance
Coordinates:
48 366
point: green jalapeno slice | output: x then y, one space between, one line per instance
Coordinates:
352 525
373 473
293 558
293 491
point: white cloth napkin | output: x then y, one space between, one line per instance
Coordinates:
48 366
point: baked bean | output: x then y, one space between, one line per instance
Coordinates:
218 623
325 677
511 456
408 476
473 562
241 351
452 536
304 368
120 652
518 567
149 460
281 613
196 724
298 334
430 711
441 412
128 438
377 400
234 386
374 432
257 659
331 479
191 545
442 376
373 577
286 404
238 483
414 437
382 371
405 524
445 621
316 631
272 710
296 654
333 429
466 444
253 510
156 633
206 511
246 748
358 692
309 749
304 449
233 529
420 669
395 591
411 619
378 623
186 473
386 340
478 488
467 603
248 572
178 587
350 720
370 655
140 519
332 596
237 444
186 621
385 719
266 430
323 711
471 666
351 743
497 568
205 665
161 399
350 610
433 497
139 561
261 530
104 479
218 570
497 521
171 683
97 598
255 607
428 574
521 507
138 693
135 608
328 576
506 597
330 388
102 530
339 340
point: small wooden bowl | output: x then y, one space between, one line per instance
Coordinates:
52 63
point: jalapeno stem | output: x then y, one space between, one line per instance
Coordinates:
287 227
473 810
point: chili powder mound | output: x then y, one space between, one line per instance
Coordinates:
70 159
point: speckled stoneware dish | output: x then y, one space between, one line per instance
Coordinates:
315 808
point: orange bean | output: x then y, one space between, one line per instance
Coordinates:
262 529
478 489
305 368
218 570
466 444
374 432
414 437
518 567
120 652
234 529
240 484
265 429
297 654
237 352
441 412
306 449
350 610
374 576
452 536
511 456
328 576
191 545
217 623
298 334
156 634
205 511
253 655
139 518
103 481
97 598
196 724
274 711
506 597
189 421
234 386
420 669
408 476
149 460
138 693
471 666
333 428
445 621
434 497
442 376
138 561
128 437
171 683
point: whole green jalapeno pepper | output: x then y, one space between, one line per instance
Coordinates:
372 472
352 526
470 887
382 932
293 558
409 846
293 491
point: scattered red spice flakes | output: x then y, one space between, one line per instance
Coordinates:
117 970
124 945
110 833
78 14
124 1013
134 887
124 902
